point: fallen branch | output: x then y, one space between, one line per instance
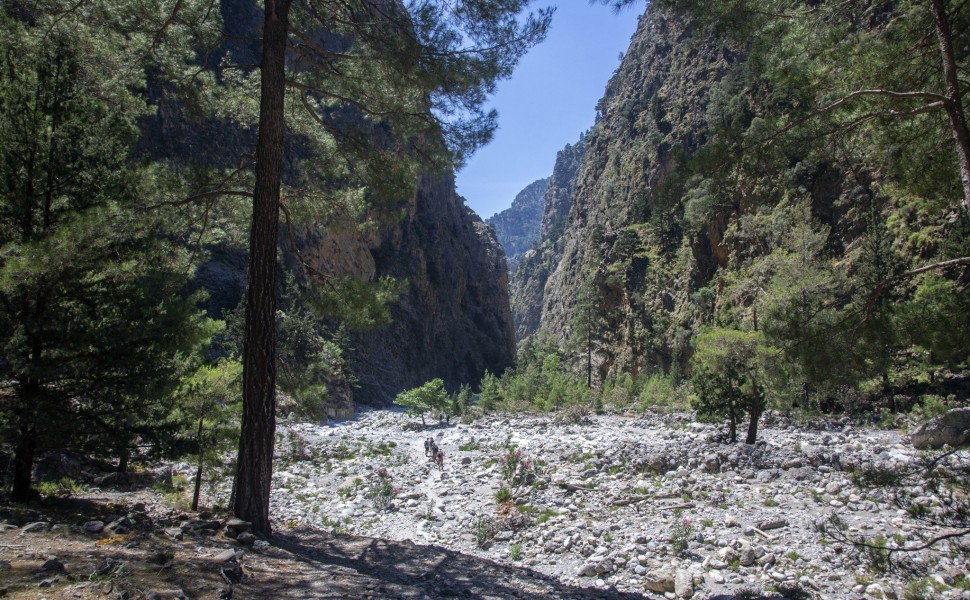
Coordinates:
765 535
632 500
571 487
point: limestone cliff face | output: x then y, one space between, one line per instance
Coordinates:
517 227
614 228
527 287
453 321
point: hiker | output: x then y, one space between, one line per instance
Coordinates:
434 449
439 459
427 446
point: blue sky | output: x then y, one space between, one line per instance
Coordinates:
548 102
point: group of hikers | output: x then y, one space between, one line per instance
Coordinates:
433 452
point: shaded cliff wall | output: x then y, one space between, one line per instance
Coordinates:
453 321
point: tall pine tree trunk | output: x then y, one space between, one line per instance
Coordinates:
23 464
756 406
954 101
255 464
198 473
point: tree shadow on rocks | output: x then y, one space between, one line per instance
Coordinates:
361 567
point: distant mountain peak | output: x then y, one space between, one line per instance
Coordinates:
517 227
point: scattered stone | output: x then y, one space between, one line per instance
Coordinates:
952 428
659 581
245 538
683 583
166 595
36 526
175 533
52 565
238 525
772 524
225 555
94 526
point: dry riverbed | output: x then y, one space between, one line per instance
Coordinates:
612 494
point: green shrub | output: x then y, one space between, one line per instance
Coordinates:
680 537
429 397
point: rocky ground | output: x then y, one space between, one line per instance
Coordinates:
618 507
611 495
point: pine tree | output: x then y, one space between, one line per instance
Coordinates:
370 88
94 331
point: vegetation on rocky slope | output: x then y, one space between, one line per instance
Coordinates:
788 174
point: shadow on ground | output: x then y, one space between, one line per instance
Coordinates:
359 567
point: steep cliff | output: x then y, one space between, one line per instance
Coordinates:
527 286
517 227
611 221
453 321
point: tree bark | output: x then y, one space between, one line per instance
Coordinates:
23 464
198 472
255 463
752 436
124 454
756 406
954 98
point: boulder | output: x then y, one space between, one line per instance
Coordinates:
58 465
38 526
94 526
659 581
52 565
952 429
683 583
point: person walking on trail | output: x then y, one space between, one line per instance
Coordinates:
427 446
433 448
439 459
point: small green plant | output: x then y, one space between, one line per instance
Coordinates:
877 553
64 488
516 467
680 537
503 495
770 502
471 445
608 537
916 590
515 552
707 523
545 515
383 492
792 556
484 530
108 570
